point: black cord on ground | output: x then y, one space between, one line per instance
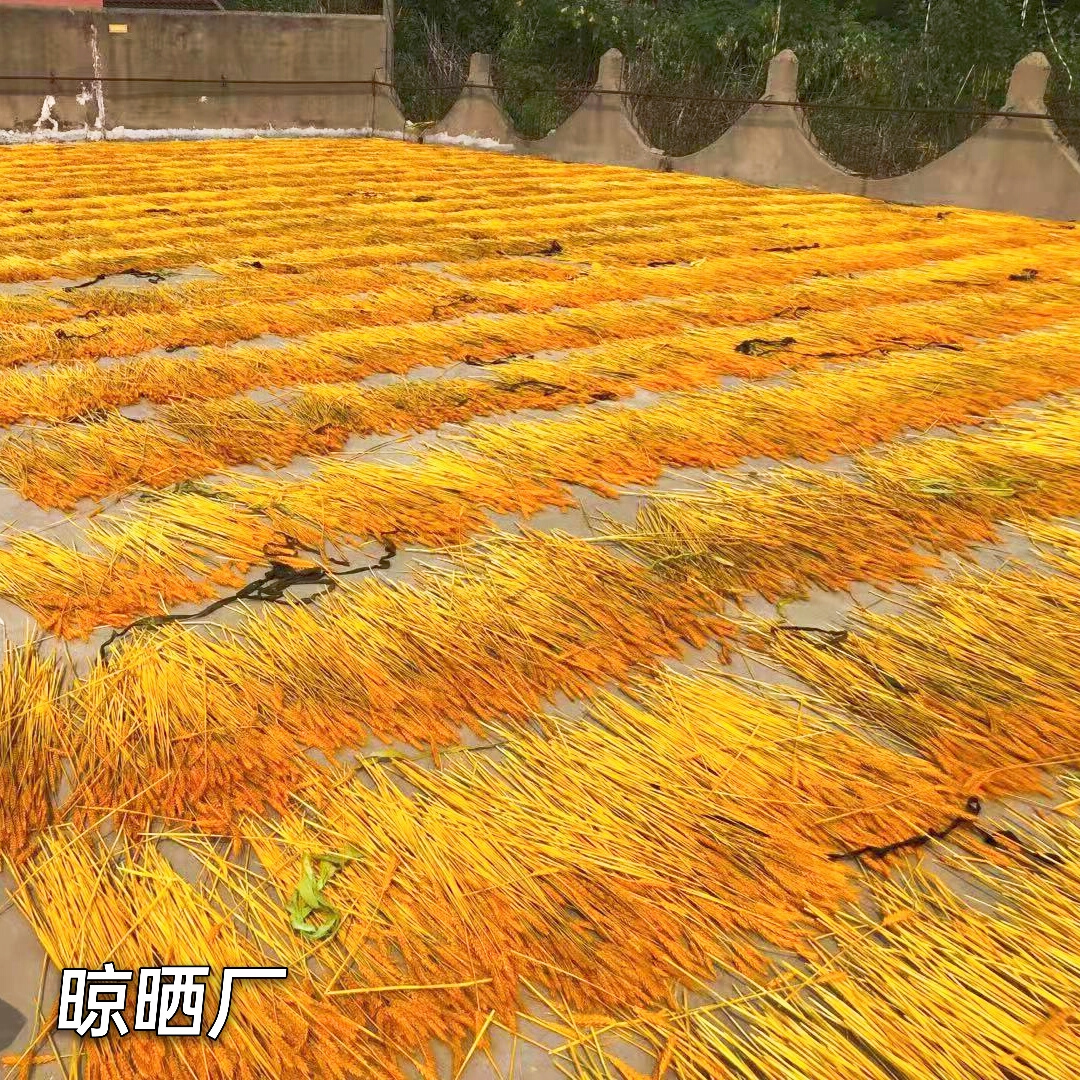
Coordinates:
871 851
1049 859
763 346
153 278
271 588
993 838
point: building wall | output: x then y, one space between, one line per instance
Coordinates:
53 3
213 52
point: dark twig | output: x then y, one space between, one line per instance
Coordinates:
271 588
153 278
872 851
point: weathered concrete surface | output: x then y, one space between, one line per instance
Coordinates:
220 55
477 113
1014 165
38 42
22 1003
770 144
600 131
28 987
1021 166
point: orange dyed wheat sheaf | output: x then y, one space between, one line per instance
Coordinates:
181 726
486 768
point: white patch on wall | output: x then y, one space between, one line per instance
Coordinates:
83 96
17 138
474 141
46 116
99 91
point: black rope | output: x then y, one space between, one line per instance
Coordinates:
209 80
1049 859
228 81
271 588
795 247
763 346
150 276
69 335
872 851
554 248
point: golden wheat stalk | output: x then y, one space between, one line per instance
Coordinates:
33 742
519 467
978 673
204 312
928 985
795 529
195 724
363 246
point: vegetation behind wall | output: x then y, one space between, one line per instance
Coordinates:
904 55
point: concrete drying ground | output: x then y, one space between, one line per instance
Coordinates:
28 984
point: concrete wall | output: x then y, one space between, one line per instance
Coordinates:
1013 164
477 114
37 41
770 144
600 130
1018 164
54 3
216 51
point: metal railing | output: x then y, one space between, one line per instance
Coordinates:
583 91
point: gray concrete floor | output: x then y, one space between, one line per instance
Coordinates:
28 986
